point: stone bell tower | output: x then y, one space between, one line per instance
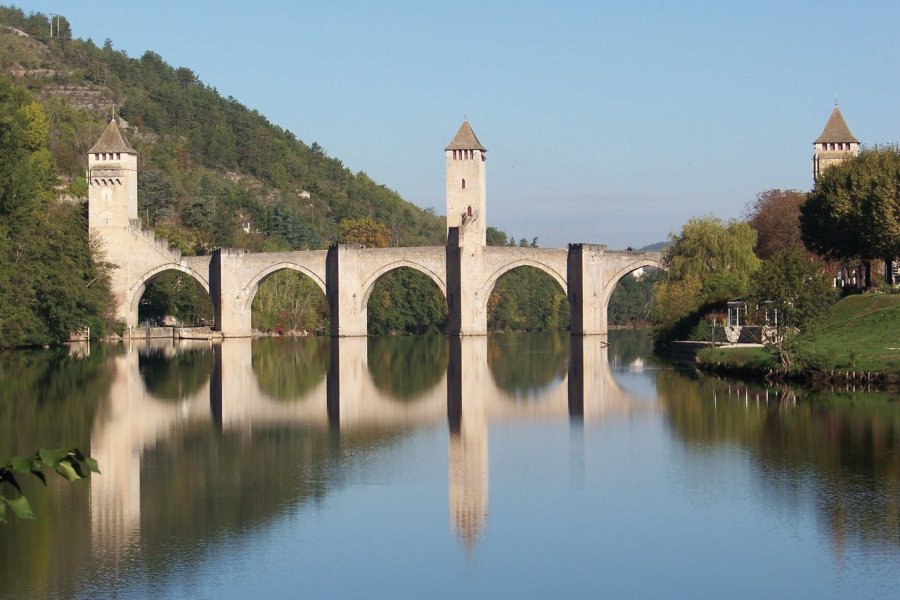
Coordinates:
466 190
835 145
112 182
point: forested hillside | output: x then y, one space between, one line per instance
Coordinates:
212 172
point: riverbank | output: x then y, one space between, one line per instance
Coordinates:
858 342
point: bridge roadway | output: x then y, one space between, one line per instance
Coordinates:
346 400
464 271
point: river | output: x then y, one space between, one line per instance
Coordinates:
515 465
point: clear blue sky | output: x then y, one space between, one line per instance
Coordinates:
607 122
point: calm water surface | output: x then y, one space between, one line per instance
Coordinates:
510 466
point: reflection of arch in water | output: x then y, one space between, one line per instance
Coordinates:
525 365
137 289
289 368
407 367
170 375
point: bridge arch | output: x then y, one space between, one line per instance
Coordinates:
252 287
630 267
369 284
613 281
492 279
137 289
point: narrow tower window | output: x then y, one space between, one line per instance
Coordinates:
463 184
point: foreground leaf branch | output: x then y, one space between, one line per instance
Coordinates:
69 463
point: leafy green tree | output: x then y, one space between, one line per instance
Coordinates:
52 281
631 303
709 263
791 291
527 299
287 302
854 211
405 301
176 294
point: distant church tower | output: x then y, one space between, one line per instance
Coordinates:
466 189
835 145
112 182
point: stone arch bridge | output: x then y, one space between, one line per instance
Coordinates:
465 271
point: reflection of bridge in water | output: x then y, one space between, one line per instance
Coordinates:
345 400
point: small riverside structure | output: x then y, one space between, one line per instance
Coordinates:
465 269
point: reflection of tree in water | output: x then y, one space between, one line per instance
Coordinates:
523 364
407 366
628 345
205 485
840 450
175 376
49 399
289 368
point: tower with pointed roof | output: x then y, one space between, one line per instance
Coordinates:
112 182
466 188
835 145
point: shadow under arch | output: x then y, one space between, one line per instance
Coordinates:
287 297
173 373
405 298
405 367
289 368
156 275
526 364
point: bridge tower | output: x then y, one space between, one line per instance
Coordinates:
466 188
112 182
835 145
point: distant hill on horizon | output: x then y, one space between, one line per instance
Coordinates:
657 247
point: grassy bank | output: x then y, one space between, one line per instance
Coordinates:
861 334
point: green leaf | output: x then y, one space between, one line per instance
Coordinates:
21 464
51 458
76 466
65 469
92 465
21 507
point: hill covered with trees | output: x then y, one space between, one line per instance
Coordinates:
212 172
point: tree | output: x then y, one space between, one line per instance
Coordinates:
793 290
775 215
854 211
365 231
709 263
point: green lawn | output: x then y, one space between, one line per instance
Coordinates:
861 333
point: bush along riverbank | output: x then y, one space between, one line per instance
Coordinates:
857 343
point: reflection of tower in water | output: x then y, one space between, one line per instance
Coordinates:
468 451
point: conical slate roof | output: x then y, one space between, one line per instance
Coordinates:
465 139
836 129
112 141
